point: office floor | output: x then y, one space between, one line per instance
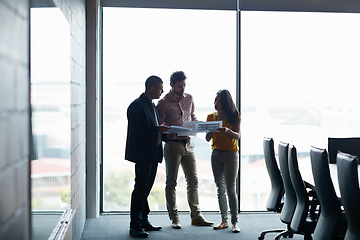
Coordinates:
113 227
116 226
43 225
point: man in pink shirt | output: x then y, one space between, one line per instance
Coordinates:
174 109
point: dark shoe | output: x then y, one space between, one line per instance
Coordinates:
200 221
148 227
138 233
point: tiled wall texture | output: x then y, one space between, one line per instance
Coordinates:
15 221
75 12
15 209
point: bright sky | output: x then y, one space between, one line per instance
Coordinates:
304 59
162 41
307 60
311 52
50 46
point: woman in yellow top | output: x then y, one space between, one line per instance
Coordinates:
225 156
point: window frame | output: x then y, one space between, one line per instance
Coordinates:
139 4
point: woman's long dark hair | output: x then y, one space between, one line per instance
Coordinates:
227 105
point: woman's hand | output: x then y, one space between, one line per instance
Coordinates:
229 132
208 136
223 129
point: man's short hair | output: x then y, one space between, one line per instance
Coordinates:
177 76
152 81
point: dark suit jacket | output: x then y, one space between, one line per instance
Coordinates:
142 134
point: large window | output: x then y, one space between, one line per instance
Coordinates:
50 102
138 43
299 85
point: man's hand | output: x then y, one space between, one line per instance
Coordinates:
171 136
163 128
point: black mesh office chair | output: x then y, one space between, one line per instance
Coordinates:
331 224
302 222
290 197
274 203
347 166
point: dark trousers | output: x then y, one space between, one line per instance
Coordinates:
144 181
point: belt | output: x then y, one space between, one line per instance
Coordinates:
221 150
183 141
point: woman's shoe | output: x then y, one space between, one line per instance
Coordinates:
235 228
176 224
222 225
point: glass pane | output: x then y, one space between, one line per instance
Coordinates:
299 85
50 101
138 43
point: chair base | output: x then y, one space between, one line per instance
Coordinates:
285 234
290 234
263 233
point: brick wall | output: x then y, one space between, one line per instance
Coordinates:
15 221
75 12
15 209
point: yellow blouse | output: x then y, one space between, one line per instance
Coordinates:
220 140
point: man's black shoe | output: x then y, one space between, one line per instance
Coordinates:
138 233
148 227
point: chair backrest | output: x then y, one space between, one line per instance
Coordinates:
328 225
345 145
302 199
347 166
290 197
277 187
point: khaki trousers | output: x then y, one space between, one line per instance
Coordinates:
177 154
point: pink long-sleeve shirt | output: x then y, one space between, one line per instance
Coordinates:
173 112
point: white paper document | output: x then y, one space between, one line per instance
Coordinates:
190 125
191 128
211 126
177 130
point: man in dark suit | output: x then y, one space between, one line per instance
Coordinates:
144 148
